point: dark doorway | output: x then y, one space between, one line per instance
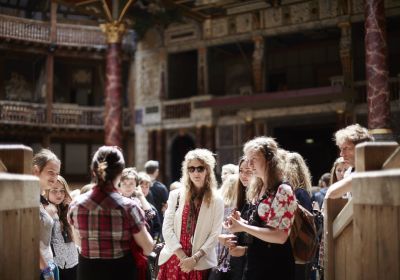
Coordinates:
180 146
313 142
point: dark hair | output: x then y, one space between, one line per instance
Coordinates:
41 158
151 166
240 189
107 163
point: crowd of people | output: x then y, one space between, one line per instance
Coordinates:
241 228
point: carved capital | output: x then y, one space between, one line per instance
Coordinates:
114 31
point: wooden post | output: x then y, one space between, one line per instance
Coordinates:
17 158
19 226
376 235
202 68
372 155
50 63
332 208
258 63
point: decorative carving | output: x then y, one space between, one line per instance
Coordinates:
273 17
300 13
244 23
219 27
114 31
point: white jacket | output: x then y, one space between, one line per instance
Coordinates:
208 227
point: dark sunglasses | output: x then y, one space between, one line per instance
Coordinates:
200 169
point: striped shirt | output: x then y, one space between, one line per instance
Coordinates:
105 222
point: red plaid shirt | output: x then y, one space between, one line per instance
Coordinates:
106 222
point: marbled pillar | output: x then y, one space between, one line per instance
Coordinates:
113 104
377 73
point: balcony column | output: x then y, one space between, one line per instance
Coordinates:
377 73
151 144
258 59
160 154
163 73
200 136
50 63
202 68
113 104
210 137
345 48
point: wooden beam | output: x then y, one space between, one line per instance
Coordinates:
344 218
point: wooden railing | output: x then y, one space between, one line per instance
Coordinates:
80 35
63 115
181 108
36 31
24 29
360 88
361 236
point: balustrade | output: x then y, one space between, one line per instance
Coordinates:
63 115
36 31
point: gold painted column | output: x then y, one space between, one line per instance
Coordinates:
258 63
113 102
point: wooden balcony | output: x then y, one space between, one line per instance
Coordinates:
38 32
285 98
66 116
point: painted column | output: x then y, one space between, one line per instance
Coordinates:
113 101
345 52
258 58
202 77
377 73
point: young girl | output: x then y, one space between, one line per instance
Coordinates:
64 248
129 187
269 254
46 166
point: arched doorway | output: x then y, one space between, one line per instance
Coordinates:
180 146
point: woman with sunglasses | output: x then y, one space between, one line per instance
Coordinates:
269 254
192 221
64 248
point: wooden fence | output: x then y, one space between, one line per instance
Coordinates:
362 235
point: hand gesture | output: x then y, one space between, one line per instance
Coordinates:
187 264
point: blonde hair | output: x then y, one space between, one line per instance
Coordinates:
333 178
228 190
268 147
62 209
130 173
144 177
210 185
297 173
354 133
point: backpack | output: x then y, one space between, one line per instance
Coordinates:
303 235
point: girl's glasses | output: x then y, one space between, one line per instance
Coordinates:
200 169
